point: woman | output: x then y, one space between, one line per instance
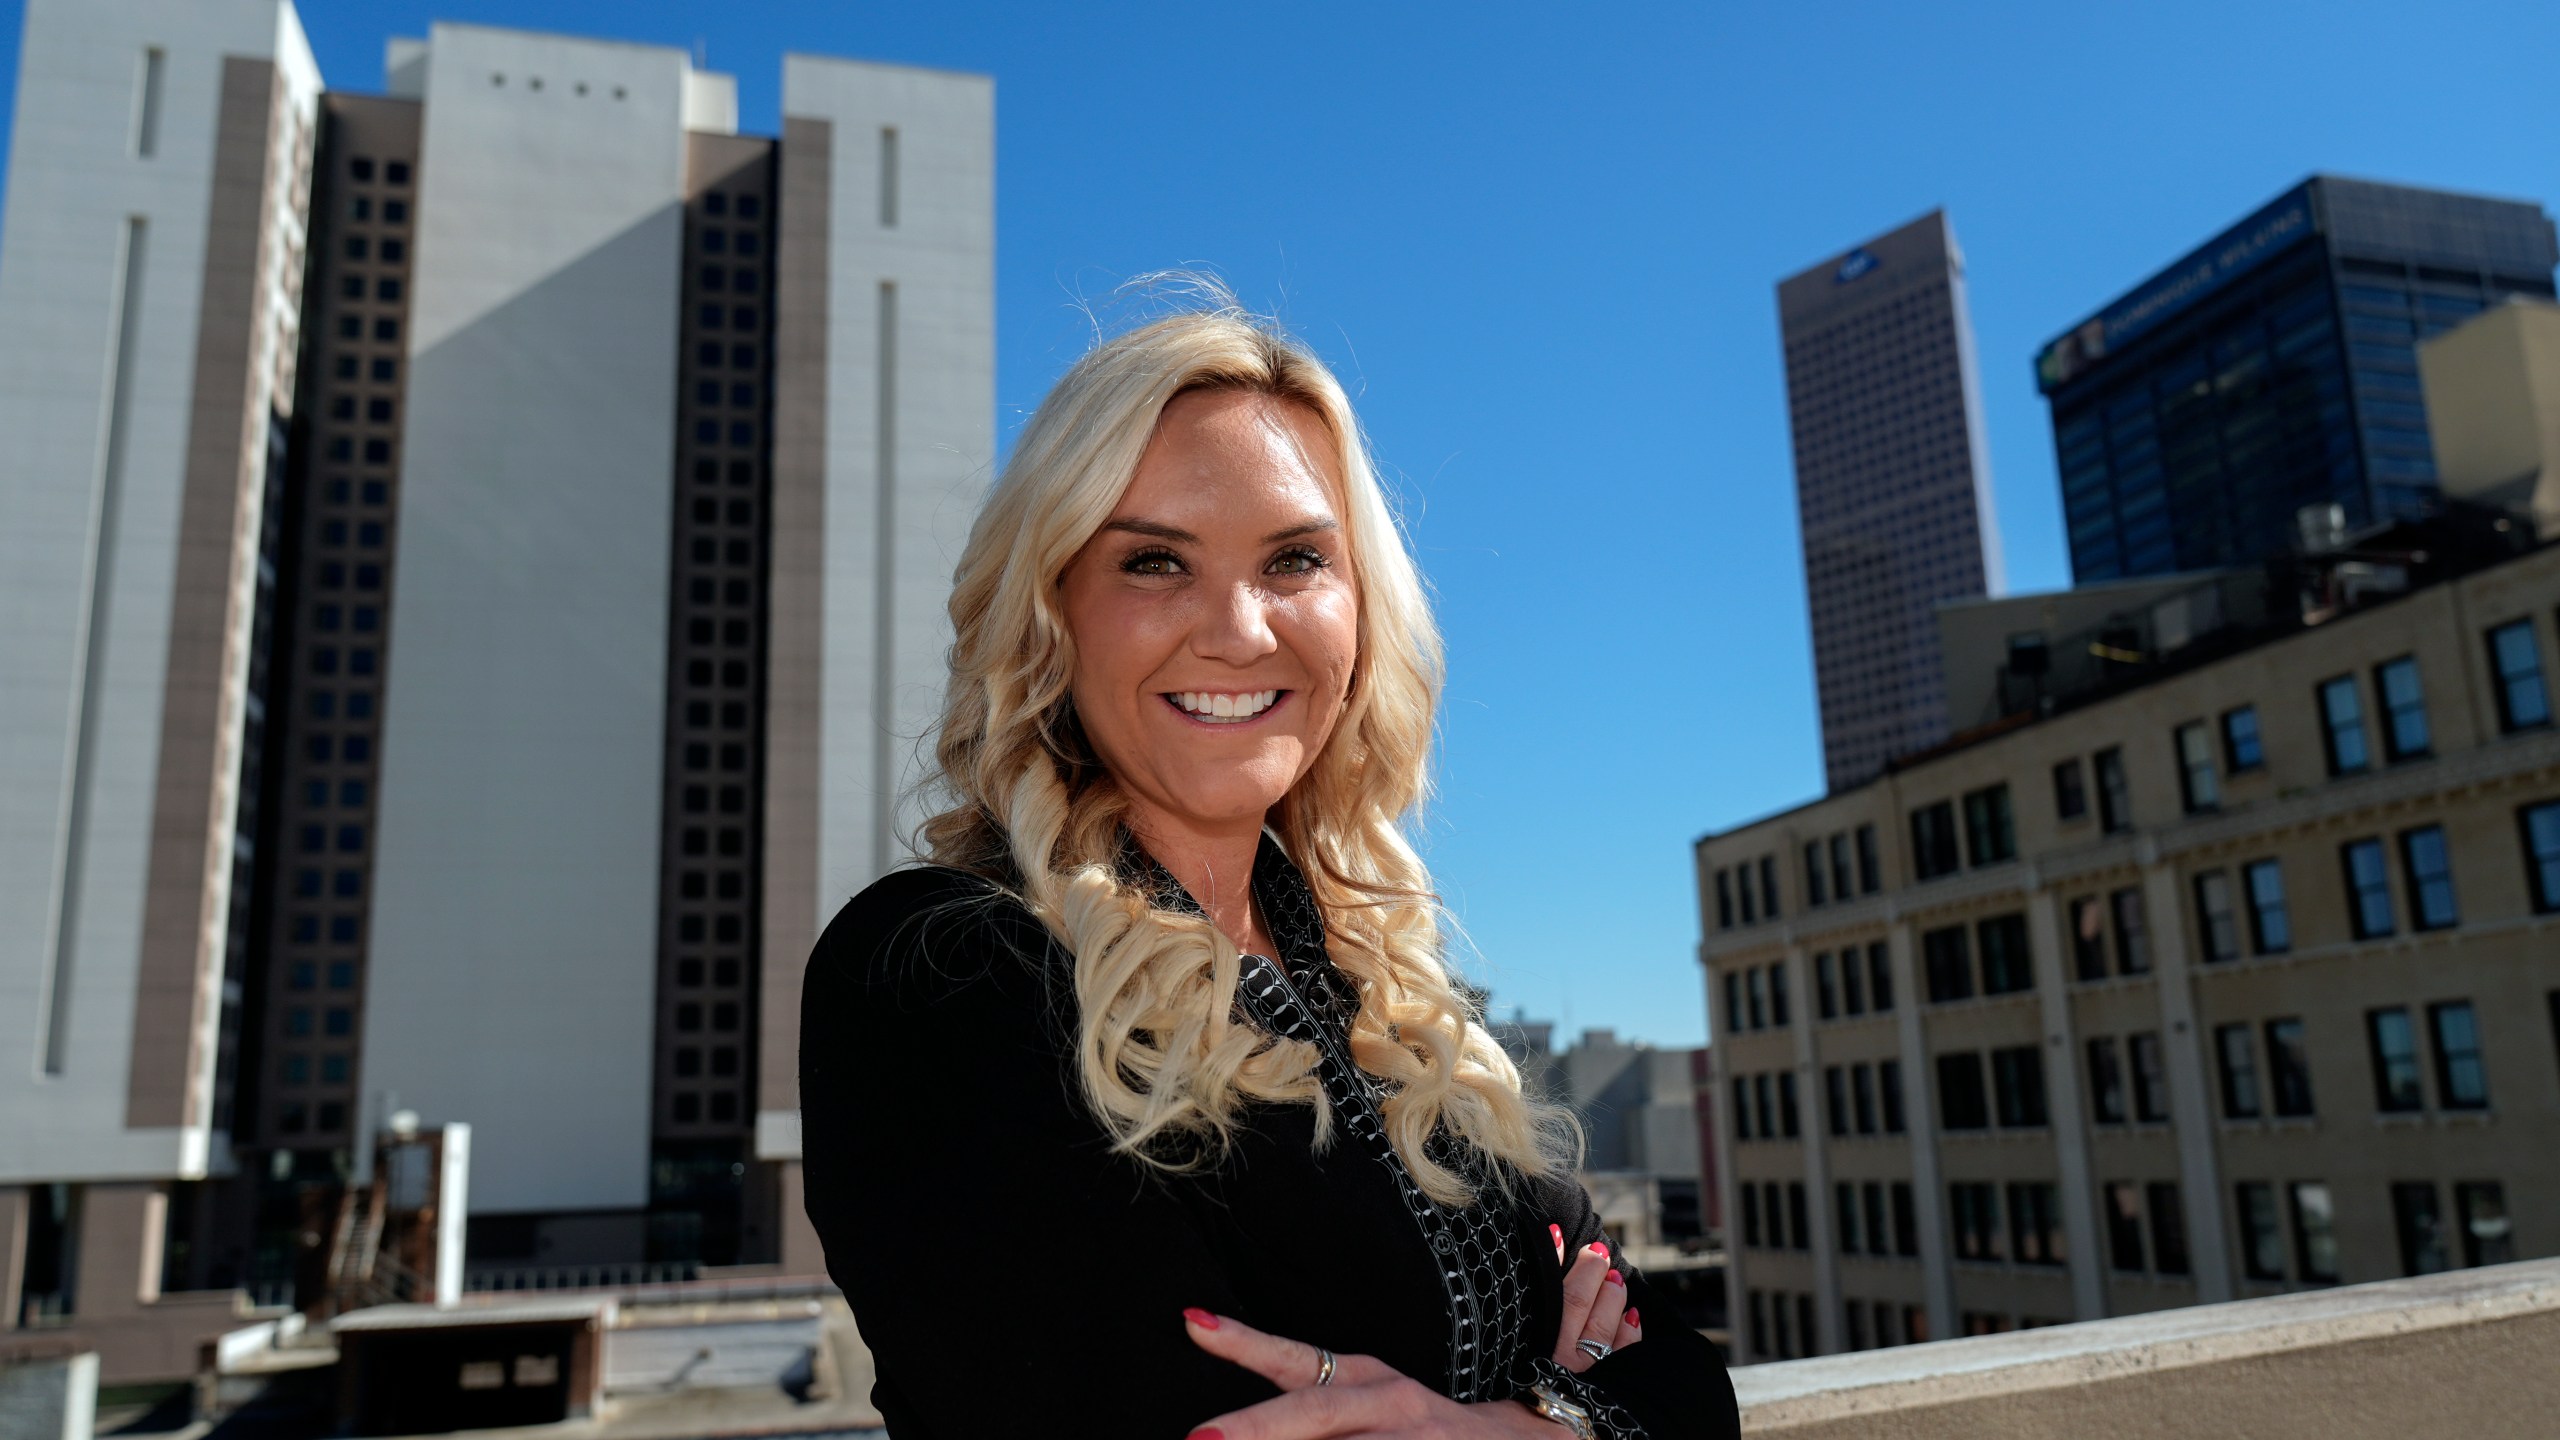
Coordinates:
1149 1108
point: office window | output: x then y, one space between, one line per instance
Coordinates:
2342 726
1826 986
1975 1209
2089 938
2315 1234
1853 982
1840 887
2198 786
2237 1058
2428 867
2115 797
2240 746
1853 1315
2516 657
1778 994
1933 840
2218 924
2124 1226
1879 1239
1768 887
2414 1214
2261 1232
1751 1216
1962 1101
2006 964
1844 1212
1799 1235
2150 1077
1835 1100
2270 925
1741 1107
1870 863
2035 1224
2106 1082
1789 1122
1733 1017
1862 1087
1764 1106
1948 961
1816 890
1757 980
2288 1067
2404 709
2070 791
2168 1228
1889 1091
1990 831
2017 1082
1880 976
2462 1078
2133 934
1906 1226
2393 1043
2368 889
1724 899
2540 825
2488 1237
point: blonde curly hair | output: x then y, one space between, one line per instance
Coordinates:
1163 1062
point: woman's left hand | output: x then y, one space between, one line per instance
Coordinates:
1365 1396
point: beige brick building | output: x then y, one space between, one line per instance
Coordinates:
2240 979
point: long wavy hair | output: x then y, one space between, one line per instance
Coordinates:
1020 797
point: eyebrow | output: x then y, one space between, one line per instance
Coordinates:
1160 531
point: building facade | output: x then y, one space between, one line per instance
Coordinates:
2235 982
1893 483
472 592
2274 368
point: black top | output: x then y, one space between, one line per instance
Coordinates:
1012 1276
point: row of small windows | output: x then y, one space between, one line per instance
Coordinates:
323 705
334 1020
687 1107
697 840
386 328
342 929
294 1118
697 799
344 449
305 974
338 492
725 929
1773 1337
2034 1230
394 172
702 590
350 794
1862 1099
353 749
734 317
716 241
689 976
394 211
740 279
296 1070
697 715
309 883
377 408
709 354
367 534
689 1058
1828 871
723 1016
386 289
384 368
393 249
739 394
1757 902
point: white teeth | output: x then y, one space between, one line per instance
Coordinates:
1212 706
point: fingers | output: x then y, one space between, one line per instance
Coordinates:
1606 1311
1393 1404
1289 1364
1582 1286
1629 1330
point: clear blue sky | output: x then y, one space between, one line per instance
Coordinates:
1541 241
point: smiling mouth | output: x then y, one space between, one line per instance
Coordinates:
1216 707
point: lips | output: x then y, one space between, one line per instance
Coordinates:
1223 707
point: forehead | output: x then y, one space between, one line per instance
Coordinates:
1240 454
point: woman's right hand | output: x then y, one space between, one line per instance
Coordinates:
1595 1304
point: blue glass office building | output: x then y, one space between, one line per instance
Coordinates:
2273 368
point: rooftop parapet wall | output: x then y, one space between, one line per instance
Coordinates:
2464 1353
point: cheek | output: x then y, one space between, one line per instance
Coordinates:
1325 631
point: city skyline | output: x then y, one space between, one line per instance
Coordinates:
1631 229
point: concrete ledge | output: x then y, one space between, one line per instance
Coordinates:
2464 1353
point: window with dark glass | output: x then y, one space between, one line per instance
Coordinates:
2404 709
2198 786
2462 1079
2240 747
2217 922
1768 887
1816 889
1778 994
1790 1120
2150 1078
2488 1236
2115 797
1826 986
2007 967
2420 1224
2393 1043
1870 863
2342 726
2261 1231
1733 1016
1990 831
2035 1223
2315 1230
2089 938
1906 1227
2540 825
2017 1084
1758 982
1880 976
1962 1101
2288 1067
1862 1087
1844 1214
2516 656
2368 889
1947 959
2427 865
1889 1091
1975 1210
1724 899
2168 1228
1853 982
2235 1054
2133 935
2270 926
1840 885
1799 1234
2070 791
2106 1082
2124 1226
1933 840
1835 1100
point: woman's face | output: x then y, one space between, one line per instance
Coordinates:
1215 616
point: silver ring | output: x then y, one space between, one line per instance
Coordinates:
1596 1349
1324 1366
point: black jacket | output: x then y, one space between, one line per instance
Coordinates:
1013 1277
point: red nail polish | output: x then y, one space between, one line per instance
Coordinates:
1557 1232
1634 1320
1205 1321
1207 1432
1613 1278
1597 1248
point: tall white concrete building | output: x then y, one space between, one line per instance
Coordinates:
472 554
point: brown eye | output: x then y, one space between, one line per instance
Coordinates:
1297 561
1152 562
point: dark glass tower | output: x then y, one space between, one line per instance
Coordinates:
2273 368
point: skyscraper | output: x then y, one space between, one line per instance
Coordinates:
2273 368
1893 483
472 553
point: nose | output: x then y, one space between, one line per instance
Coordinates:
1235 627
